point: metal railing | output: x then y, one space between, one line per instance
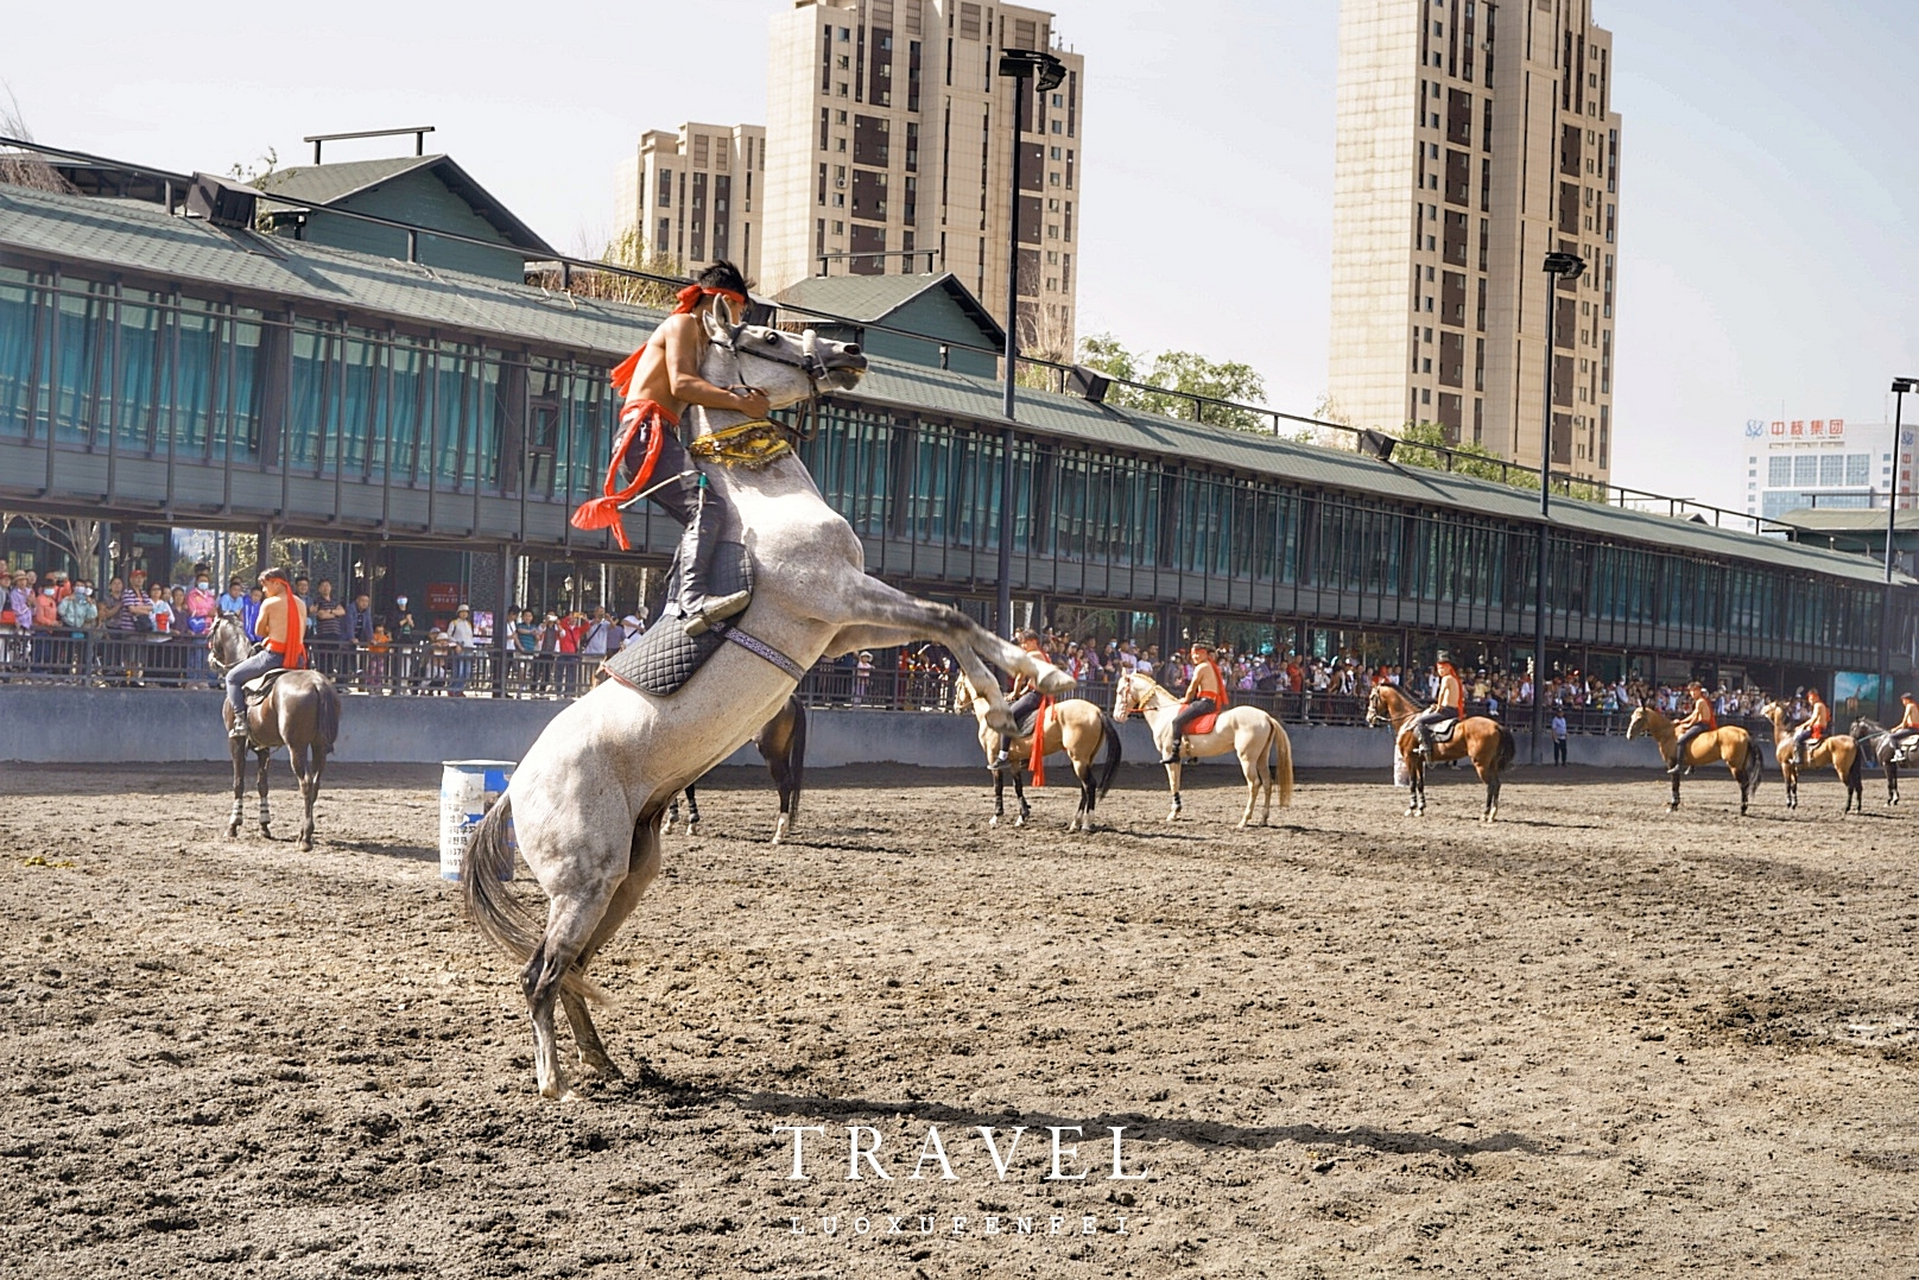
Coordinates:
132 659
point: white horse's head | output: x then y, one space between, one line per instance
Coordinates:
1127 699
1376 708
787 367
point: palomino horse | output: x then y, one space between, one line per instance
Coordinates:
1480 739
781 742
1728 742
1265 752
300 713
1839 750
1877 743
1073 725
585 803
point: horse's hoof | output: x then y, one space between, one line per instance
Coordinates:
233 831
1020 821
994 822
692 830
266 831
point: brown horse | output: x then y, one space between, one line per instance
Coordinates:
1073 725
300 713
1485 742
1839 750
782 744
1729 743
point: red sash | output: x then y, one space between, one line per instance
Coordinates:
1036 760
293 650
604 511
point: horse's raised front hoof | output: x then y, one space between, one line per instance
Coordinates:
1000 720
1052 681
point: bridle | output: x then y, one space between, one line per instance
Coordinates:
810 363
223 621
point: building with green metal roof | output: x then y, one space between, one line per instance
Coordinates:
162 370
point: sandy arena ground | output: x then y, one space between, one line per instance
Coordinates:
1595 1040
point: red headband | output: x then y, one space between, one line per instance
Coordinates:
690 297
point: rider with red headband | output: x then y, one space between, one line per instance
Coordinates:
659 381
1814 730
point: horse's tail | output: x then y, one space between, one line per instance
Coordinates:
501 919
1853 780
1110 732
1508 748
1281 748
326 717
796 757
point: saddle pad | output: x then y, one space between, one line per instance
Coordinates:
1443 731
663 659
1200 726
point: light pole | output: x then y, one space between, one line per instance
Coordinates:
1899 388
1569 266
1046 71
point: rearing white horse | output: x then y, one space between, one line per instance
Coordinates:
585 803
1247 731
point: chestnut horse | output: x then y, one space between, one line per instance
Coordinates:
1729 743
1839 750
1484 741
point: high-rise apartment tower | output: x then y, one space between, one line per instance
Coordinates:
691 196
888 150
1472 139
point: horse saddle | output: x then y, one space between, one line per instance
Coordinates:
664 658
1443 731
257 689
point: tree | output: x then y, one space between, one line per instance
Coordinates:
625 250
25 168
1175 376
1424 444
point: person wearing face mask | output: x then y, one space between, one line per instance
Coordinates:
196 622
78 613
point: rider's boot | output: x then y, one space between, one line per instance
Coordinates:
1172 754
1423 741
238 729
702 536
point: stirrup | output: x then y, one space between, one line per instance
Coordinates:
240 730
716 609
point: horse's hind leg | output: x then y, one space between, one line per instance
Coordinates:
692 811
586 1037
572 918
310 792
1019 798
266 818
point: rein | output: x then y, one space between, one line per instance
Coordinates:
805 428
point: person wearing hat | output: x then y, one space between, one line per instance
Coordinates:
1449 704
1205 694
1700 720
1808 735
1906 732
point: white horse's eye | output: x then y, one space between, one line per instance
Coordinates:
771 339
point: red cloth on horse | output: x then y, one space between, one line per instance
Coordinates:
1036 760
604 511
1199 726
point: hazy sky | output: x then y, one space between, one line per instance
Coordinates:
1768 263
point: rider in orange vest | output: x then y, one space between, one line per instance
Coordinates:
1906 732
1205 694
658 381
282 623
1449 704
1026 694
1809 734
1701 720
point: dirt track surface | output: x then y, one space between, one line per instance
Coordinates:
1594 1040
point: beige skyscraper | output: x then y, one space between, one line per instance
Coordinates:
887 151
1472 139
692 195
